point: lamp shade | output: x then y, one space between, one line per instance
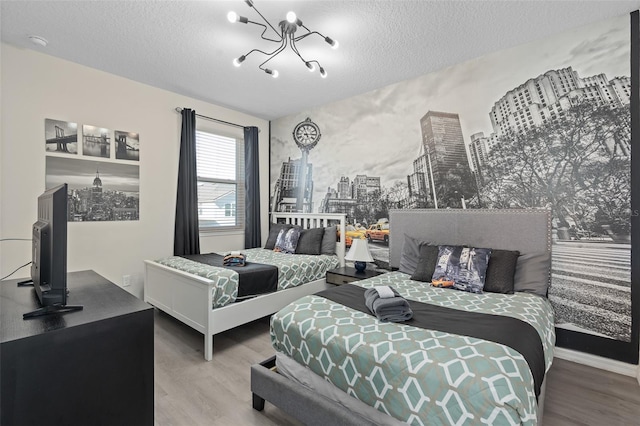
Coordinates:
359 251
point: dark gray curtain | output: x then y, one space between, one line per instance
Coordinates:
187 236
252 236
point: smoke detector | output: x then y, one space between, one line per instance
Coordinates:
38 41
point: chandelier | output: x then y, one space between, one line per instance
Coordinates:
285 37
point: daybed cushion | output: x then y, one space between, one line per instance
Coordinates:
329 240
501 271
532 273
273 234
465 266
310 241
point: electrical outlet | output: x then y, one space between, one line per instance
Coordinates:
126 280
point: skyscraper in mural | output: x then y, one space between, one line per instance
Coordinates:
449 175
544 99
286 191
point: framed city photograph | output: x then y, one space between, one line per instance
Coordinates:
98 190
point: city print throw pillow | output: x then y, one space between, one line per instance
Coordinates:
287 240
465 266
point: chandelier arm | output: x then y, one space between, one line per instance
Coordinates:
313 60
295 49
264 19
272 54
308 34
262 36
257 50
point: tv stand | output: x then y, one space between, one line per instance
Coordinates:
50 309
53 309
94 367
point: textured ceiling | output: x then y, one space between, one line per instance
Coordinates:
187 47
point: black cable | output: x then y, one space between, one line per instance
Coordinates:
19 267
16 239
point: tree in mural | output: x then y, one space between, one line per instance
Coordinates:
380 202
578 165
458 184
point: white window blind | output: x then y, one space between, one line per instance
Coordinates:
220 165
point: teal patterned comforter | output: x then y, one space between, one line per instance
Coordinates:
416 375
293 270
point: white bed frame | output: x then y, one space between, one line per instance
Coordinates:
189 297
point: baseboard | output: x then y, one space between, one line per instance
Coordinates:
602 363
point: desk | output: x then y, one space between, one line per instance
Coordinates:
90 367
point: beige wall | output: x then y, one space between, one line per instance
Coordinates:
37 86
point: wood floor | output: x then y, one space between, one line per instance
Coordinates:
191 391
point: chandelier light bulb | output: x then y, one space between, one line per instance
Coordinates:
232 16
311 66
332 42
238 61
291 17
272 73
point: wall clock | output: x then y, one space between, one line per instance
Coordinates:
306 134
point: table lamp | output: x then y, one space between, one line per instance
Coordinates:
359 254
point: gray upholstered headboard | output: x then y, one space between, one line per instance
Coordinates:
528 231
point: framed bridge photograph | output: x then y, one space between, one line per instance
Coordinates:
127 145
60 136
96 141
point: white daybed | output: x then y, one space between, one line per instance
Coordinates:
189 297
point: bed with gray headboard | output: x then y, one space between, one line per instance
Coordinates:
336 365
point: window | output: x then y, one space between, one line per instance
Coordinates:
220 165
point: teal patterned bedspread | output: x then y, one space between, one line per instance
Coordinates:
293 270
416 375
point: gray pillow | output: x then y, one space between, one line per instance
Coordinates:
329 240
426 263
310 241
273 234
501 271
532 273
410 254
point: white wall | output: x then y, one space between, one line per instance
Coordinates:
36 86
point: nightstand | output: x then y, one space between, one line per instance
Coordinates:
348 274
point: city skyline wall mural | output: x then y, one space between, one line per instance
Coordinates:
542 125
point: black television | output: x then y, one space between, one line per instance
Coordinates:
49 250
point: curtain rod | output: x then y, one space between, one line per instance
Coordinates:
178 109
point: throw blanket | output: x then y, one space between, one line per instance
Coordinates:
507 331
387 304
254 278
